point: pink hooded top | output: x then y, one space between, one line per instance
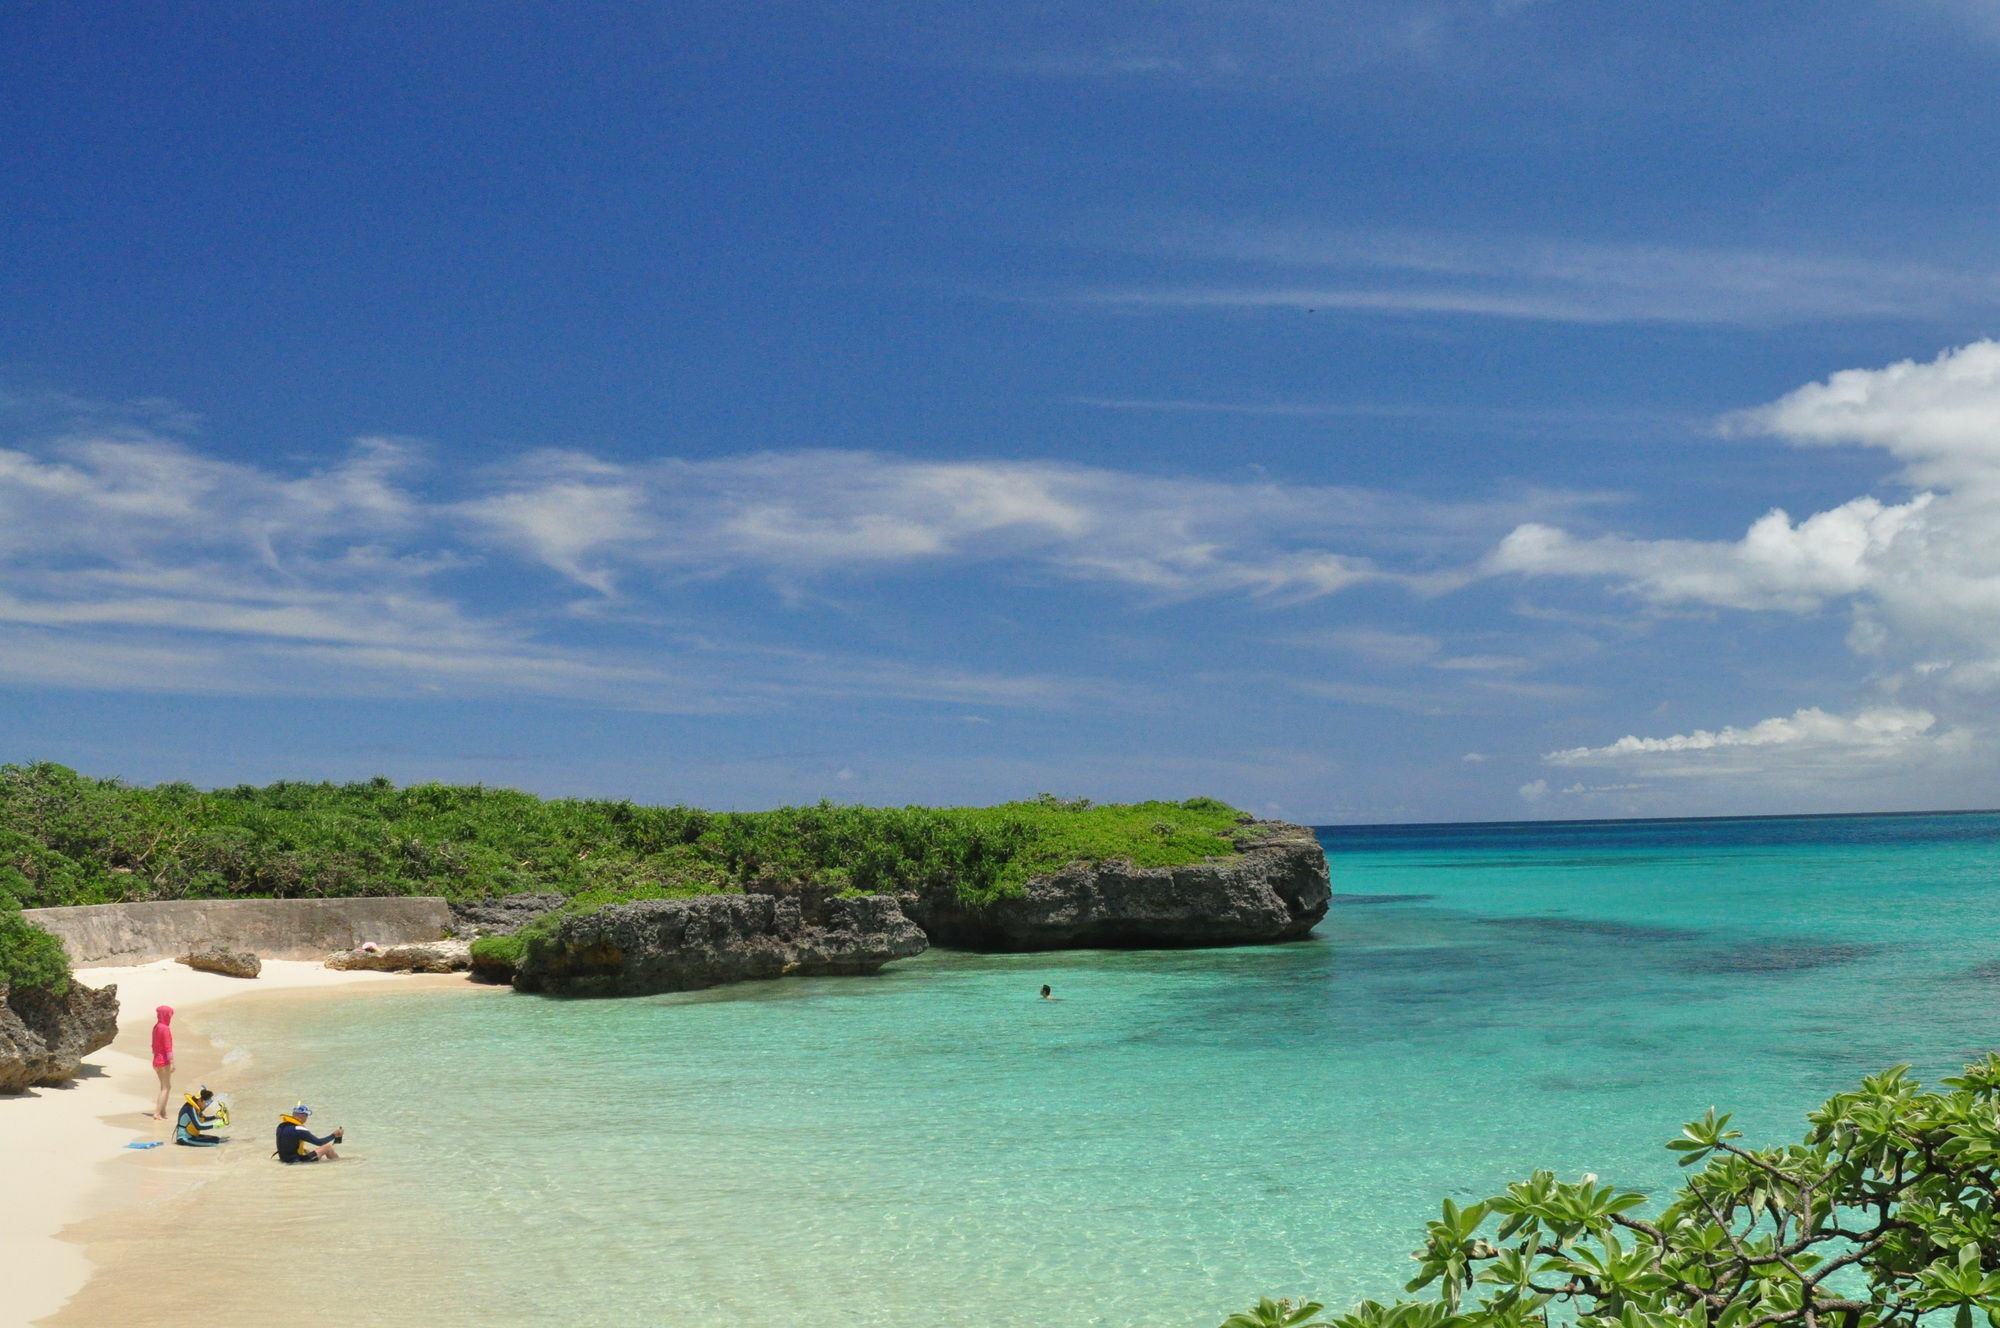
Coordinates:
163 1037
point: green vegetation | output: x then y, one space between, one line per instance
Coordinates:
1886 1215
504 951
69 839
29 956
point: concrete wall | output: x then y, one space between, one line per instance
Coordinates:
103 934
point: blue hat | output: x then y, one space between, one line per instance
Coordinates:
302 1110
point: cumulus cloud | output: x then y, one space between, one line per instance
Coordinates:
1884 731
1919 576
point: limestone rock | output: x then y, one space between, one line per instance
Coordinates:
44 1037
1276 889
416 957
500 917
658 945
229 963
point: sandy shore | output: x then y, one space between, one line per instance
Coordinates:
62 1150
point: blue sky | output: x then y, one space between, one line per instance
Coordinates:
1359 411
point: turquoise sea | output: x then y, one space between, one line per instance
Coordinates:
1181 1132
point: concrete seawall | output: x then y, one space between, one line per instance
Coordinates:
103 934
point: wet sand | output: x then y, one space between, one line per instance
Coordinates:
81 1210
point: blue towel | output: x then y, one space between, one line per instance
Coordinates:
154 1144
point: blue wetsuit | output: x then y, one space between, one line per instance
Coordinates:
292 1141
190 1127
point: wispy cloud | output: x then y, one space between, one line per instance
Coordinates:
1256 268
135 558
820 514
1218 42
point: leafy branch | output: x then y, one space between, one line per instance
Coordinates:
1885 1215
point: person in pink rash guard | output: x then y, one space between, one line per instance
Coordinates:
163 1057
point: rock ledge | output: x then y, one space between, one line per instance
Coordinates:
416 957
1276 889
658 945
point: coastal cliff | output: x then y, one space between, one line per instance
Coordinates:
45 1036
659 945
1276 888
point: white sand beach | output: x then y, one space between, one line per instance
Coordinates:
62 1150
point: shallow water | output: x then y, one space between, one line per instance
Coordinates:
1180 1133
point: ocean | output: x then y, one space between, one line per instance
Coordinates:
1181 1132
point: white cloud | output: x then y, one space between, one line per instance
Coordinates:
1534 790
1546 280
1883 728
804 515
1778 564
1920 577
133 558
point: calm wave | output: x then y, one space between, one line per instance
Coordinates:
1181 1132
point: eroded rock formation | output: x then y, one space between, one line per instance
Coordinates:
218 959
1275 889
416 957
44 1036
658 945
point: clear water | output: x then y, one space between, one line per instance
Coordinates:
1180 1133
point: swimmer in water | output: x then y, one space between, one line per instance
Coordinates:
1045 992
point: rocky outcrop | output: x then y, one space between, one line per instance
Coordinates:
417 957
503 916
1276 888
229 963
658 945
44 1036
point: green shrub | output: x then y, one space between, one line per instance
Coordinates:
29 956
68 839
505 950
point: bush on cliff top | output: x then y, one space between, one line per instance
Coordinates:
29 956
1886 1215
70 839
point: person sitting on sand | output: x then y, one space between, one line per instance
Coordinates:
195 1119
296 1145
163 1057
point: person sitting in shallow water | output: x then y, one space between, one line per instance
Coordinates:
296 1144
192 1125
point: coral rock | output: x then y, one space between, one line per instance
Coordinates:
44 1036
229 963
1275 889
657 945
417 957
